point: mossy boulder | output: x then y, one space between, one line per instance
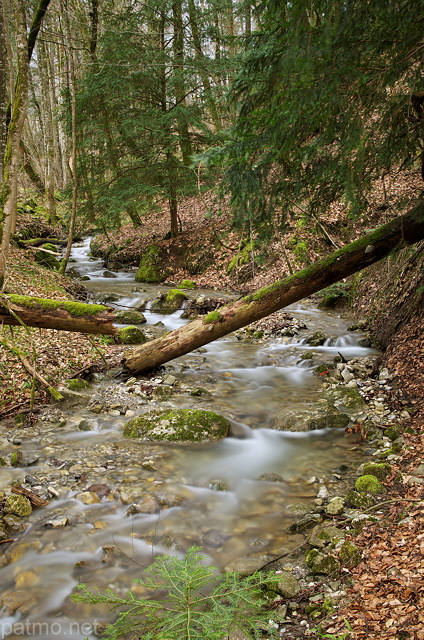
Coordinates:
316 339
349 554
18 506
77 384
394 432
369 484
329 421
199 391
47 260
380 470
178 425
169 303
242 258
151 267
287 586
359 500
323 535
320 562
130 317
131 335
187 284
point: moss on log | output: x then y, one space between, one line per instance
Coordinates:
357 255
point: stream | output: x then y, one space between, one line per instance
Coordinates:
235 498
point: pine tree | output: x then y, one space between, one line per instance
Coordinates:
330 98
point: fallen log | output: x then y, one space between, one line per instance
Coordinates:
64 315
408 229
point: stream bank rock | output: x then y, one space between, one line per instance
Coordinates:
178 425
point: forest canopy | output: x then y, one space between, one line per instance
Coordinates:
330 98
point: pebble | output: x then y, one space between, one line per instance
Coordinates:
322 493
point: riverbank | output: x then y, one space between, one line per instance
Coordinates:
391 613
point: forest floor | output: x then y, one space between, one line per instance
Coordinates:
385 592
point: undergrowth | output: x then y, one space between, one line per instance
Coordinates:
196 603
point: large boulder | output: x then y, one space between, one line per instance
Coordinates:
170 302
151 267
178 425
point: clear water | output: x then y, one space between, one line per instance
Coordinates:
103 546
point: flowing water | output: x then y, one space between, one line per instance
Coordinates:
106 544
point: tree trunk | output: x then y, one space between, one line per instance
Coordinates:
342 263
203 72
57 314
9 189
179 82
3 91
73 159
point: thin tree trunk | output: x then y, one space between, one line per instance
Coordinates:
15 124
73 159
198 52
342 263
3 91
9 191
179 84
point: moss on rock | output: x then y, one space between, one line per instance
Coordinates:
178 425
380 470
45 259
369 484
329 421
394 431
169 303
359 500
130 317
131 335
151 268
18 506
188 284
345 399
322 562
316 339
349 554
77 384
322 535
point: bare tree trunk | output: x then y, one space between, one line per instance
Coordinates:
73 159
9 190
9 187
3 91
342 263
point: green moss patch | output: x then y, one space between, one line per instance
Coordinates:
77 384
380 470
179 425
151 266
75 309
188 284
369 484
169 303
130 317
131 335
212 317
